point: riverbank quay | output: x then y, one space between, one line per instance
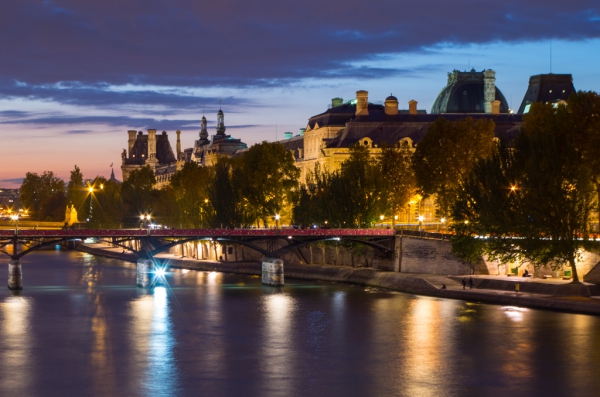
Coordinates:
541 294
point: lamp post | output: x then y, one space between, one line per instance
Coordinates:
144 218
16 219
421 218
277 221
91 191
443 223
381 220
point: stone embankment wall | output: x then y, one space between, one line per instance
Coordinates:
412 255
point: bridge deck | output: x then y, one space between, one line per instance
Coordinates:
206 233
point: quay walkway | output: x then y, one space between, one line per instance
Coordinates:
534 292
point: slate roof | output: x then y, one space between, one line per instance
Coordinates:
548 88
464 93
294 143
164 152
415 127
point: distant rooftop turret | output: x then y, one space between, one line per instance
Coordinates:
220 123
203 129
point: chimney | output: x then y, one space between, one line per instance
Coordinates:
362 103
489 89
412 106
391 106
288 135
131 140
495 106
178 143
151 144
335 102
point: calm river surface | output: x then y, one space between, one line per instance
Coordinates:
81 327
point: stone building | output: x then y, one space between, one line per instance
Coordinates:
155 150
207 151
327 138
152 150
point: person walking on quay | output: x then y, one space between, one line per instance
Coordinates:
470 282
465 283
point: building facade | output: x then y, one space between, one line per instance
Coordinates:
328 136
155 151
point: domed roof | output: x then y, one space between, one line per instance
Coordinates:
391 98
220 111
464 93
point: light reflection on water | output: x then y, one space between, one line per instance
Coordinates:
277 352
81 327
15 352
153 342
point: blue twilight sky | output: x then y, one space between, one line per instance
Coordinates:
76 75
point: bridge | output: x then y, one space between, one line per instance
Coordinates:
149 242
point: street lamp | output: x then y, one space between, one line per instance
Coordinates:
16 219
443 221
91 191
144 218
421 218
381 220
277 221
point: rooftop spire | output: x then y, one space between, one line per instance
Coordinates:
220 121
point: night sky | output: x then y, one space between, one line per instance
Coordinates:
76 75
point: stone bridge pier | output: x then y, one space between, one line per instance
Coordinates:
272 272
145 273
15 275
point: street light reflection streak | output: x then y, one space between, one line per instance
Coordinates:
427 348
278 346
152 339
16 342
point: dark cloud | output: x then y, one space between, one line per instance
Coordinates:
251 42
126 122
101 95
13 180
138 123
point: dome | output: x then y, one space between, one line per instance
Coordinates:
391 98
464 93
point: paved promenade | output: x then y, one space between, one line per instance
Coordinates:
551 294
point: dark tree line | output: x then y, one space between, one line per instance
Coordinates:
250 190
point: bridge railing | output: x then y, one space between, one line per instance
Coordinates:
82 233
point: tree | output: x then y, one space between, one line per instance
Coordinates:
584 118
361 187
76 193
354 196
108 206
270 177
398 174
446 155
532 202
44 196
138 194
189 186
229 208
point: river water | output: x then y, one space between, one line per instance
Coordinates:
81 327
